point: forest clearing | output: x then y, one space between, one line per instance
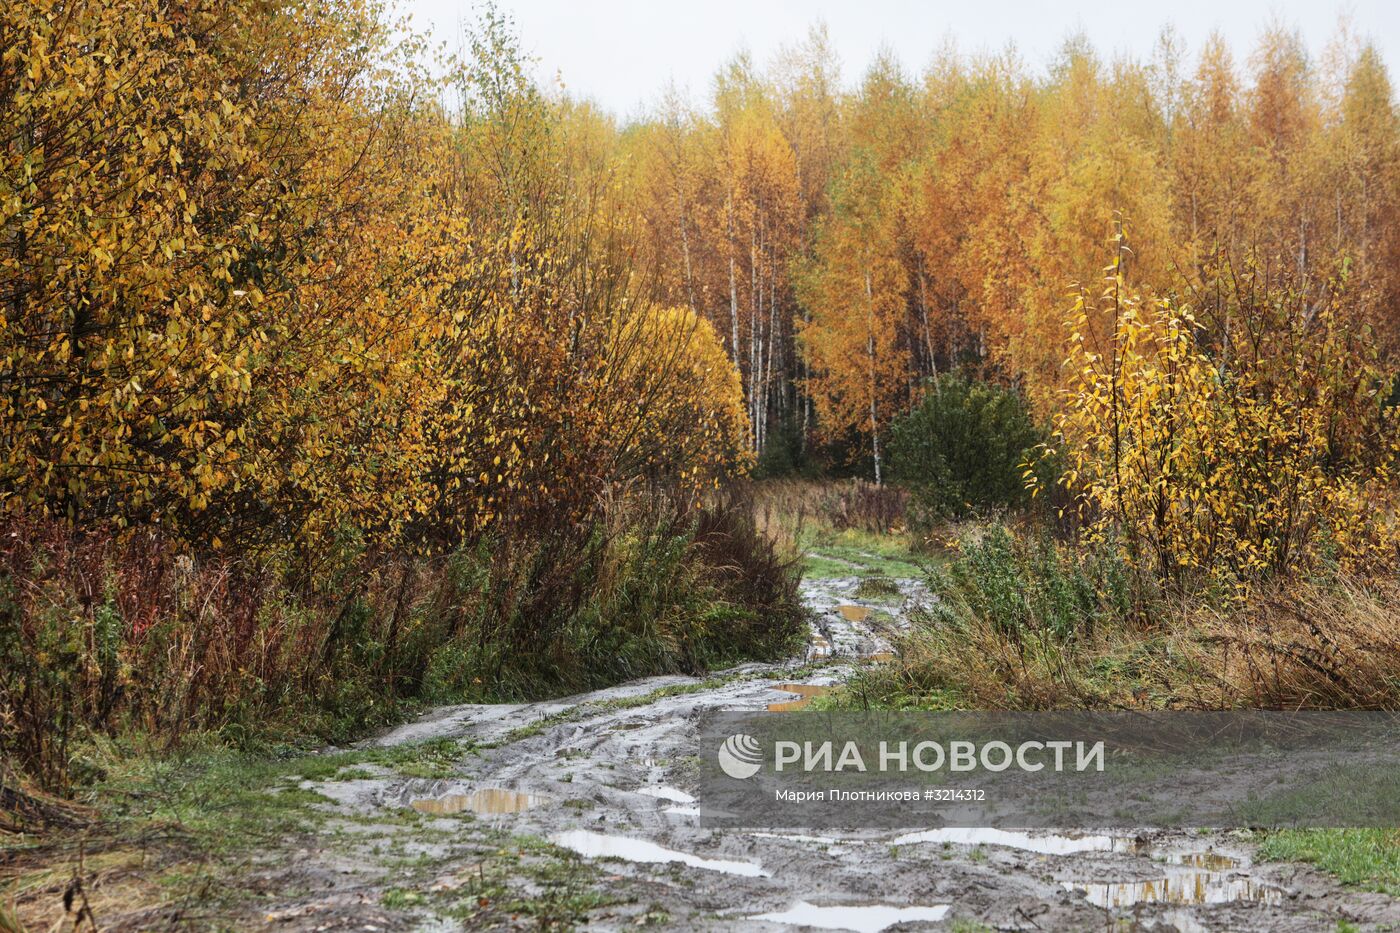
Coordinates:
401 456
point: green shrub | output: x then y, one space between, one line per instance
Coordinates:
654 590
960 451
784 452
1019 623
1022 586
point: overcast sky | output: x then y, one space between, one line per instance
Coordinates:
623 52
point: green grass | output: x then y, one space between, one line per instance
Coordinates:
879 588
228 801
969 926
1364 793
1367 858
852 552
523 876
869 689
194 822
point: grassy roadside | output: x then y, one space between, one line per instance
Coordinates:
1365 858
101 639
149 820
1021 626
851 552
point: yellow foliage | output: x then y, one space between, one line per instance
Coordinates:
686 398
258 287
1260 454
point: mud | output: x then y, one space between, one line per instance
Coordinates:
605 782
487 801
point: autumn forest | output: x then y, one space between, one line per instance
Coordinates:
850 244
342 376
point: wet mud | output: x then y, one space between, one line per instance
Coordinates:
607 780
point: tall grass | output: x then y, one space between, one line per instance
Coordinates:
646 592
1331 644
1030 624
787 510
108 634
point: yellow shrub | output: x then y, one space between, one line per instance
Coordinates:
685 401
1248 443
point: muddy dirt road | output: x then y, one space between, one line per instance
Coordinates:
582 810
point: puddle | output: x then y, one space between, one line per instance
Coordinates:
1191 877
867 918
1042 843
484 802
599 845
1179 887
662 792
806 692
1210 861
1058 844
789 707
853 613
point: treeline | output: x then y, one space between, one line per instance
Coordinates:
266 276
847 244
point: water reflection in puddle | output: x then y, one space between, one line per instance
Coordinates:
866 918
1042 843
806 692
662 792
675 796
1191 878
1179 887
1063 844
600 845
484 802
853 613
1211 861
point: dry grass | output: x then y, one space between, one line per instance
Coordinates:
1305 646
27 809
1309 646
788 510
115 887
64 867
978 665
9 917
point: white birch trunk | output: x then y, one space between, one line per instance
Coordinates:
870 358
